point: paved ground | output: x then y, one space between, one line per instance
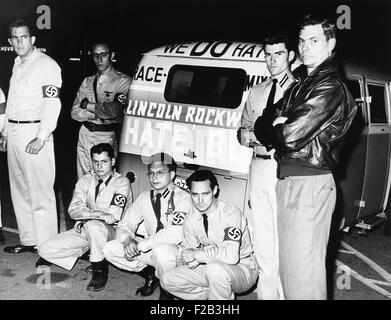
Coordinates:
20 280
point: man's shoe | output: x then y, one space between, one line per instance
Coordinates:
42 262
19 248
98 280
100 271
165 295
150 284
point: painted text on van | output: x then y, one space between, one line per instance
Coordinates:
208 116
216 50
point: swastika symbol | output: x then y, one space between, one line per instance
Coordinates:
234 233
178 218
51 91
119 200
121 98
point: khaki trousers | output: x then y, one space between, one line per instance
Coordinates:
31 183
305 206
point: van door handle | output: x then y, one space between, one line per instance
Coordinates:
190 154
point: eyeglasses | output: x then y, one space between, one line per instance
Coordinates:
102 55
157 174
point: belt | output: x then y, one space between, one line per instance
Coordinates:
24 121
100 127
263 156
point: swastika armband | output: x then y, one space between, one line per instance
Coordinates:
178 218
118 200
50 91
121 98
232 234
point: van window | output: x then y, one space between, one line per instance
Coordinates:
377 105
207 86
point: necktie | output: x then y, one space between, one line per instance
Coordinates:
270 100
205 218
156 208
97 188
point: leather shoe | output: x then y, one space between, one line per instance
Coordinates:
100 271
19 248
42 262
98 280
150 284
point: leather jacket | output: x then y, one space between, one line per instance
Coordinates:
320 110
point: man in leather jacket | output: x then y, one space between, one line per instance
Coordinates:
306 130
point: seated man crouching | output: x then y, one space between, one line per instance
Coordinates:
98 202
161 211
216 252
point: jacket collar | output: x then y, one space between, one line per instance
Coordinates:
328 66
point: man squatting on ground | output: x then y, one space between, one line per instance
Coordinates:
99 105
306 130
98 202
215 259
160 212
263 169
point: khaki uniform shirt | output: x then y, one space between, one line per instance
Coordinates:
227 229
113 195
112 91
257 100
175 204
34 92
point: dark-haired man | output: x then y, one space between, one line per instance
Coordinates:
216 253
98 202
263 170
99 105
161 212
306 131
33 106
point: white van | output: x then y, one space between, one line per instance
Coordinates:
186 99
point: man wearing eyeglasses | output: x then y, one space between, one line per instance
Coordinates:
162 209
97 203
33 107
99 106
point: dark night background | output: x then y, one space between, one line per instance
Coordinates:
139 25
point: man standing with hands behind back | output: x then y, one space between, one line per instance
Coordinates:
99 105
31 116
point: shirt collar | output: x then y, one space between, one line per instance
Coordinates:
31 57
282 78
105 180
210 211
166 192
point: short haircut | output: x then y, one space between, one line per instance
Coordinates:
102 42
329 27
19 24
103 147
203 175
276 39
165 159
